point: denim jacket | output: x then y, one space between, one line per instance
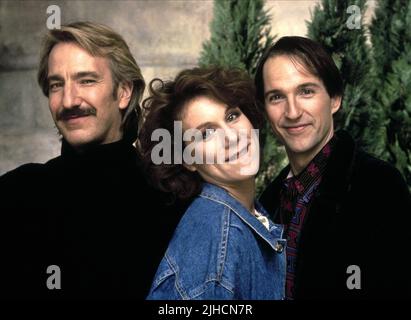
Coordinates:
221 251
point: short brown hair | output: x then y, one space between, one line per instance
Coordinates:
165 105
100 40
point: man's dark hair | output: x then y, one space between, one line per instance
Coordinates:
308 53
166 103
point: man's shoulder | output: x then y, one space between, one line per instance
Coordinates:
373 168
362 164
28 178
28 170
380 182
23 171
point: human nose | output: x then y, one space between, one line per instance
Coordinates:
293 109
71 97
231 137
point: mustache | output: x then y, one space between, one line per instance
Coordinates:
76 112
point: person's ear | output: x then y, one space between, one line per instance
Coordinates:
125 89
335 104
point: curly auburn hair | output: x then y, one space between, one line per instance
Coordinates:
232 87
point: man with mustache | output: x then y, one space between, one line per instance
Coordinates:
346 213
75 227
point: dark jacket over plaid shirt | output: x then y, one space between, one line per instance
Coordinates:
360 215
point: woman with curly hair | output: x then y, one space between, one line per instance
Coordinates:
225 246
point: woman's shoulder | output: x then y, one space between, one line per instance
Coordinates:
206 204
201 222
194 260
209 227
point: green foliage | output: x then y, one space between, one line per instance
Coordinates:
360 114
377 77
391 40
240 33
388 32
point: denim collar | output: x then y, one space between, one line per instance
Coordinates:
218 194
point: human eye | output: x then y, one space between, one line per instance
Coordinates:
87 81
231 116
54 86
275 97
307 91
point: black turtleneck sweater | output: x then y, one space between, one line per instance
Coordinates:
91 214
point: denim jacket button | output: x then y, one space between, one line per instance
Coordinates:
278 247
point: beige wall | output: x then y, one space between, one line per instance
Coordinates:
289 16
164 35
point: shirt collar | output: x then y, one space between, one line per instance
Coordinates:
300 183
218 194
